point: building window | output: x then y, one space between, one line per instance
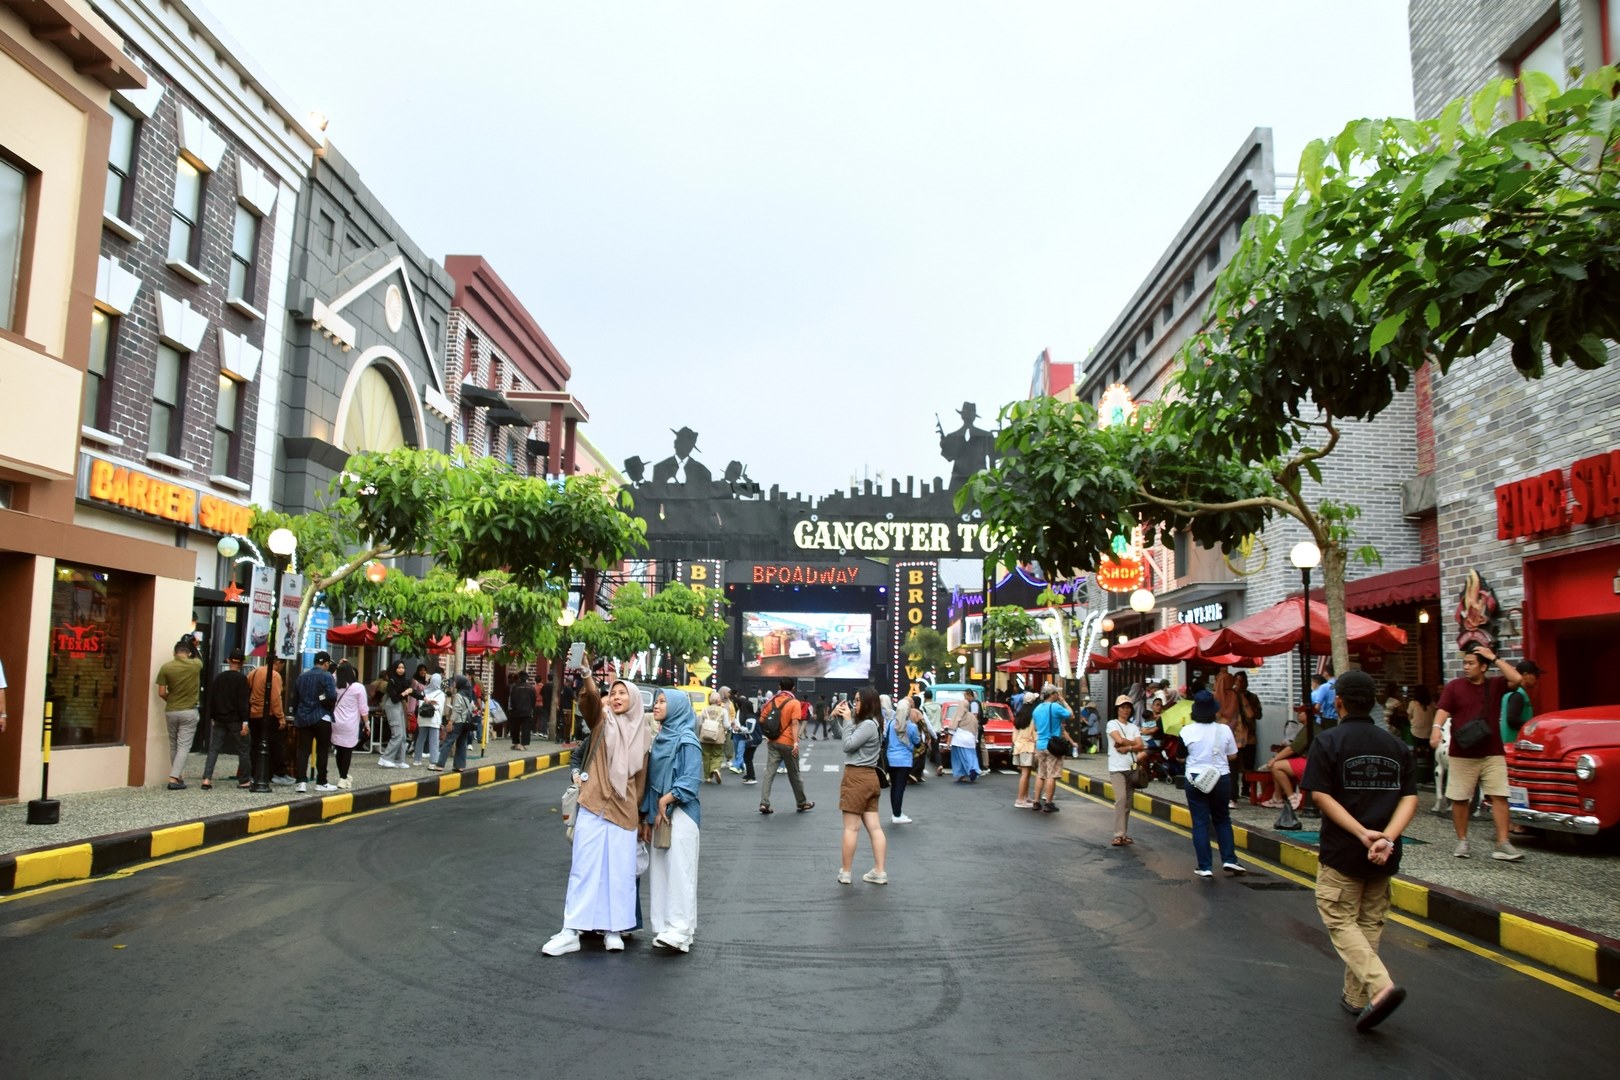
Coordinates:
163 434
85 669
103 330
1212 257
13 222
1167 313
244 254
1147 337
1546 55
1183 551
120 164
226 418
184 234
1187 287
469 359
327 231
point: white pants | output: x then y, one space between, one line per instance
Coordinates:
602 878
674 870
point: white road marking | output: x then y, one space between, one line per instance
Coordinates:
831 768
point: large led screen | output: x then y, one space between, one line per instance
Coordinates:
807 644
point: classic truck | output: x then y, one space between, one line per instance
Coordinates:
1564 771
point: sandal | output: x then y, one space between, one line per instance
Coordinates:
1127 839
207 785
765 809
806 806
1119 841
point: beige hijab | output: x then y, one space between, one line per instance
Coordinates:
625 737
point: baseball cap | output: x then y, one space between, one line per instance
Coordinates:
1355 681
1528 667
1123 699
323 657
235 657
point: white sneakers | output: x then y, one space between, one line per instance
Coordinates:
566 941
667 940
901 820
326 787
613 942
844 877
302 787
385 763
345 784
875 877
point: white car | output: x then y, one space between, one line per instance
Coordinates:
801 650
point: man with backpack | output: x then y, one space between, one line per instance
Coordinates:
779 726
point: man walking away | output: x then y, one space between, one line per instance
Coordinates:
782 714
228 705
1361 779
1476 755
314 695
179 684
520 707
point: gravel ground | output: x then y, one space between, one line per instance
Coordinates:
99 813
1560 877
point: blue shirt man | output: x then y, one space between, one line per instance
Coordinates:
1049 717
1323 698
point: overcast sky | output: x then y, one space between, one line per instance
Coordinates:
803 229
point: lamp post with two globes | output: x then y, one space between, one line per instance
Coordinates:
282 543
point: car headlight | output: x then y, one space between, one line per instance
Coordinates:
1586 766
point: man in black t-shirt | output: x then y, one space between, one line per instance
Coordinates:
1361 779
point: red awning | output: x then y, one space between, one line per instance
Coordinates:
1041 661
1280 628
1413 585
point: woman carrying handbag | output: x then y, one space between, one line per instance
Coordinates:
669 820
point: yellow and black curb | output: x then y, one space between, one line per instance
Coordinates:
100 855
1569 949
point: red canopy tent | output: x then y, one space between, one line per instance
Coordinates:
1281 627
1178 642
364 635
1042 661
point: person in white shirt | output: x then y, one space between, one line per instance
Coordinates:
1124 743
1210 750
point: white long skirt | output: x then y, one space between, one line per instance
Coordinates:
602 878
673 908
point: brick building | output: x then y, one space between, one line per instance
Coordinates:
1503 445
1132 363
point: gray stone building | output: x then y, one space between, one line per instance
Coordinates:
1545 584
1132 363
365 337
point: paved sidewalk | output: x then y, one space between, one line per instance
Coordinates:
1556 879
118 810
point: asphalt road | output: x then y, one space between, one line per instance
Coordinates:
1008 944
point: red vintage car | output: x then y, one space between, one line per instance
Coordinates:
1564 771
997 732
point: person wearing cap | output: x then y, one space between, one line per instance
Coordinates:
1516 705
1476 755
1210 746
1093 722
228 711
1124 743
1361 779
1050 716
179 682
314 693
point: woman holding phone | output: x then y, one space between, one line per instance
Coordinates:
858 791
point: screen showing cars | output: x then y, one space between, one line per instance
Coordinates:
835 645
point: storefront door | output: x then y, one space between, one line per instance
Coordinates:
1573 620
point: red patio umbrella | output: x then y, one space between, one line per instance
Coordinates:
1281 627
1041 661
1179 642
364 635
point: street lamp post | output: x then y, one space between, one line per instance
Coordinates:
282 544
1306 556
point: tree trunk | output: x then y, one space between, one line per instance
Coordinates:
556 695
1334 559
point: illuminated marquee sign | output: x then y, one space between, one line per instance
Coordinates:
1545 503
895 537
917 596
1121 575
803 574
128 489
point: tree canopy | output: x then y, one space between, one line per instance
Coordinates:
1404 242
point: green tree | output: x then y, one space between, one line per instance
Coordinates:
474 517
1404 242
1007 626
927 650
